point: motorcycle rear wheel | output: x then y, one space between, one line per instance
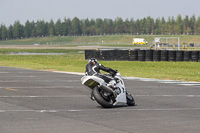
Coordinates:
101 98
130 99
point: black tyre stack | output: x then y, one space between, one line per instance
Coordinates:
123 55
92 54
149 55
133 55
115 54
194 55
199 56
108 55
171 55
179 55
141 55
187 56
164 55
156 55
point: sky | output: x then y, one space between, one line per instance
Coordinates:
33 10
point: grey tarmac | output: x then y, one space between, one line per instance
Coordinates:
49 102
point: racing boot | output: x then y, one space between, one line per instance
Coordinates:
92 97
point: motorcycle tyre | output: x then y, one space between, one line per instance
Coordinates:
130 102
100 99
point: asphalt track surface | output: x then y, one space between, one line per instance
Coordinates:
48 102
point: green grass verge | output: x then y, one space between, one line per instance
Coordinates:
186 71
6 51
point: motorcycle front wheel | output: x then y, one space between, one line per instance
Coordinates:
101 97
130 99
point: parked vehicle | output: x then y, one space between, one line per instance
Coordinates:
140 41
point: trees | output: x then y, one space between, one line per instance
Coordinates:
108 26
99 26
179 25
28 29
149 26
18 30
119 25
197 27
58 28
51 28
146 25
41 28
157 26
76 29
162 26
3 32
192 24
10 32
186 25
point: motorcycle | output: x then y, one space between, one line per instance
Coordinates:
108 94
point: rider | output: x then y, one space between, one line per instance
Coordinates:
93 68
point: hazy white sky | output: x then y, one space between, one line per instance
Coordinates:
22 10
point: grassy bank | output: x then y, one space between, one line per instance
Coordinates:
83 40
187 71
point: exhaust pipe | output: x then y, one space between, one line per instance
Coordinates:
106 88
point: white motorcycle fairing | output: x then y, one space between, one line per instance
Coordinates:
120 95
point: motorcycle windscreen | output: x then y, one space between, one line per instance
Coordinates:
91 83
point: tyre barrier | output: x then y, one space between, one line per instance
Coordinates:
171 55
149 55
156 55
187 56
194 55
164 55
133 55
179 55
92 54
142 55
123 55
199 56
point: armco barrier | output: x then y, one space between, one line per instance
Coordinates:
142 55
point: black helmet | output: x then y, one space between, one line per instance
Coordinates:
92 61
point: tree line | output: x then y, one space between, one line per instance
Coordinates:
77 27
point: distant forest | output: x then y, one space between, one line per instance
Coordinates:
86 27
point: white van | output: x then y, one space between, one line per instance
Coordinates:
141 41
